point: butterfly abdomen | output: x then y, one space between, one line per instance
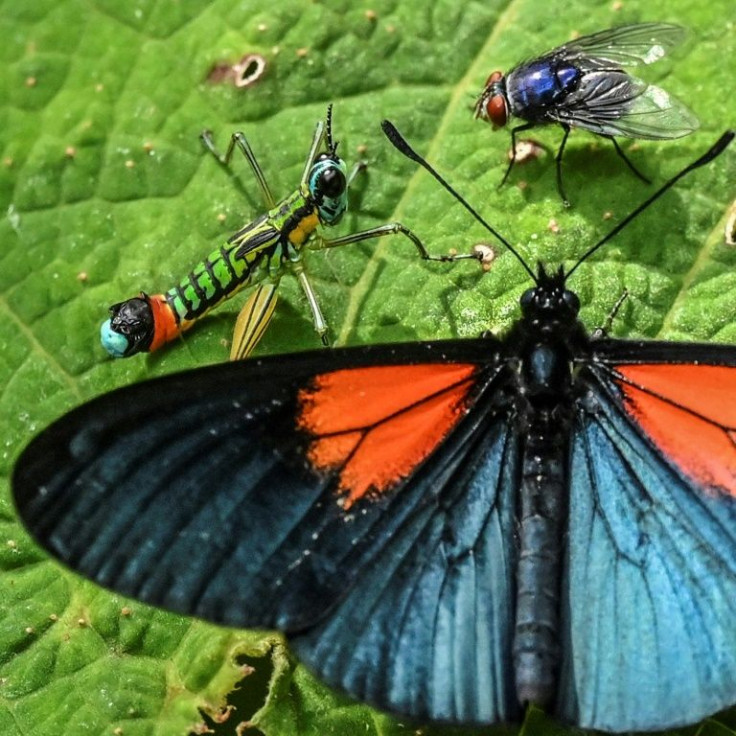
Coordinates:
542 513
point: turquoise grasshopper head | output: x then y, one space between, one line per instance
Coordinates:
328 187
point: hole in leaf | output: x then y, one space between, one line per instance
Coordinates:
242 74
245 700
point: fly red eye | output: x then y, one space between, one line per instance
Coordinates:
497 110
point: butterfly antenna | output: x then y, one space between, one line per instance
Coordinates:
331 145
399 142
715 150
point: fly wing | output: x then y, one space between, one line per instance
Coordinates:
360 500
642 43
614 103
650 617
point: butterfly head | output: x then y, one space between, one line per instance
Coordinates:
549 304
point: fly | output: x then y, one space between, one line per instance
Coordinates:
581 84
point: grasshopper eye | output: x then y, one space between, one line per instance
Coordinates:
331 182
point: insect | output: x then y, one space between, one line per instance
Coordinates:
581 85
447 530
258 254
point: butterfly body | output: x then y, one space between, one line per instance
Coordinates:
540 361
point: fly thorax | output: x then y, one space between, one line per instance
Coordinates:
568 77
543 83
328 187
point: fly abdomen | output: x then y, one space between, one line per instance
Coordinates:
543 509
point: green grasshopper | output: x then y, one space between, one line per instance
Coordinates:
258 254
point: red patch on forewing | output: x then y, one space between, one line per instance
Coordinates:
689 412
377 424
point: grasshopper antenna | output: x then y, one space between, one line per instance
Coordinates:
331 145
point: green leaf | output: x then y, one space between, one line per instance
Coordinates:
106 191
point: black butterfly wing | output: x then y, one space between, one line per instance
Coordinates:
361 500
650 613
150 490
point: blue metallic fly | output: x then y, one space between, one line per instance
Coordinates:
581 85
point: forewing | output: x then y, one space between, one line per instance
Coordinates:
255 235
249 494
614 103
643 43
650 617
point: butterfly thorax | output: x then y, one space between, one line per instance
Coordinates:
546 338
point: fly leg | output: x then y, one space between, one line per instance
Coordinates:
514 131
558 161
239 140
631 166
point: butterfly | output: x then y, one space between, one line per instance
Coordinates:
448 530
